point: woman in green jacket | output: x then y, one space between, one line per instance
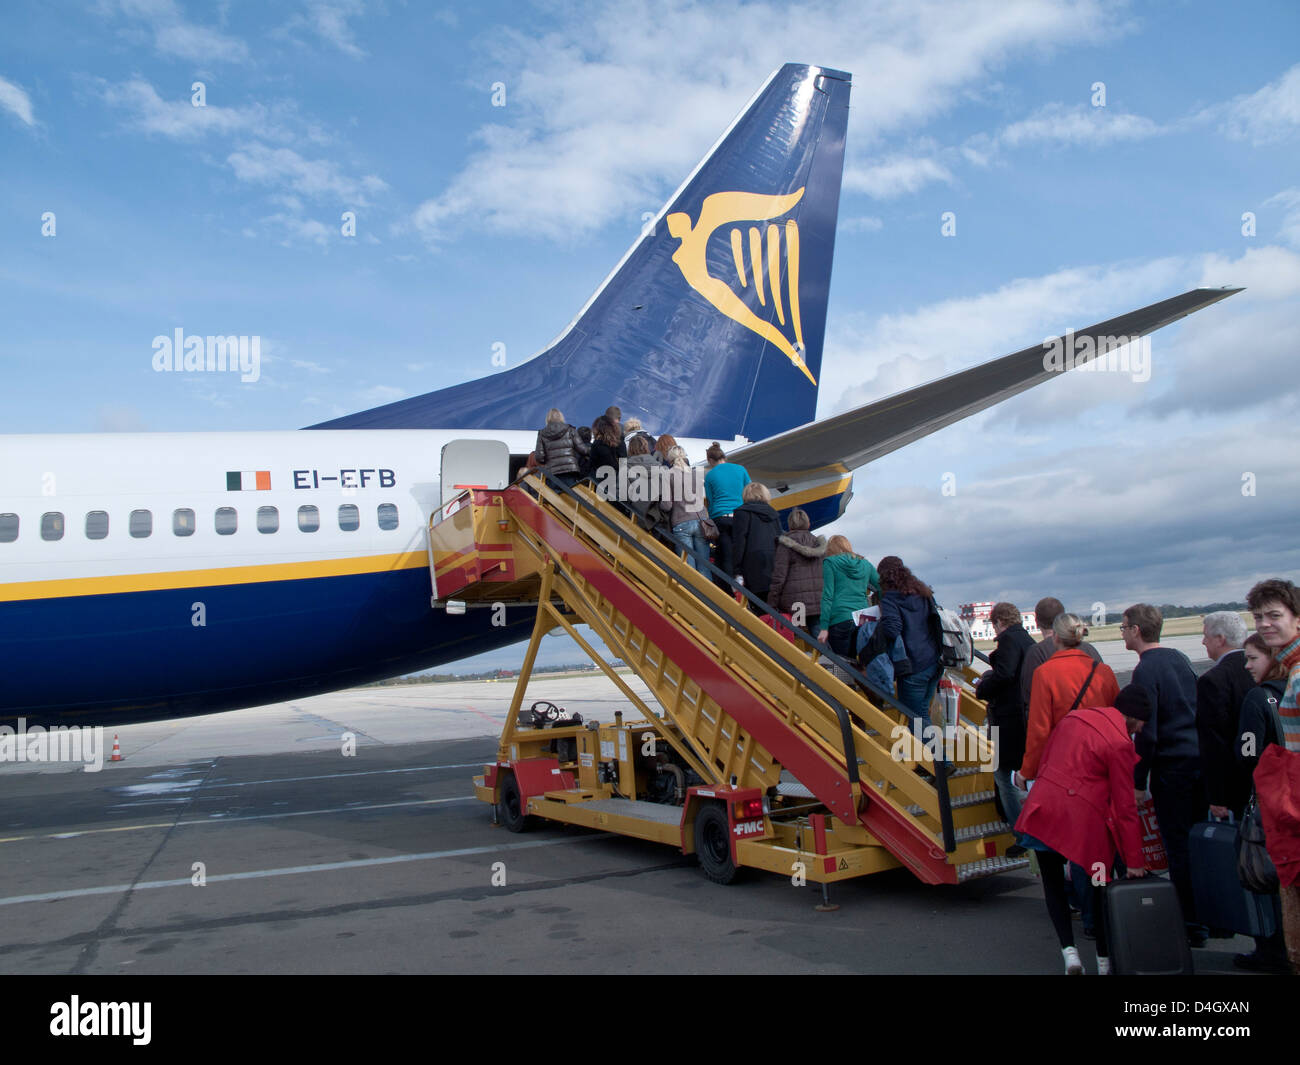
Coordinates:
846 577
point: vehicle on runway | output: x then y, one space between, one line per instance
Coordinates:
148 576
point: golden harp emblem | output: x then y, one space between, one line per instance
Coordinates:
720 209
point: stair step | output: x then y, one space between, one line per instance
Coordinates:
959 801
989 867
993 828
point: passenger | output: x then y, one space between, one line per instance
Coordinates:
1219 693
1169 750
560 449
1000 688
846 579
723 485
797 572
604 448
905 609
1045 613
754 530
1082 808
632 429
1275 605
664 445
1067 680
615 415
643 484
1258 730
687 507
584 434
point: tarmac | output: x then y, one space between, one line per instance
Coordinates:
338 834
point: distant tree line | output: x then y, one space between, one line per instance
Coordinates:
1171 611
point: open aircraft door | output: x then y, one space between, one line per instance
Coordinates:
467 464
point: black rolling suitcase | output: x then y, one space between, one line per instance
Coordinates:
1145 928
1221 901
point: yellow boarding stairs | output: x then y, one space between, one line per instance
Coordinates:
761 752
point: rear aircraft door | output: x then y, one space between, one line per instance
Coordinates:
474 464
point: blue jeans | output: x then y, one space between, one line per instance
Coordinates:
916 690
697 547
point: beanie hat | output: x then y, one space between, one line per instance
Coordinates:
1134 701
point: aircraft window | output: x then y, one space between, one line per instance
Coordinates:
141 524
349 517
388 515
96 524
227 521
8 528
183 521
52 526
308 518
268 519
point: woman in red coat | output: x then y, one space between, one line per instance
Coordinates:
1082 808
1064 681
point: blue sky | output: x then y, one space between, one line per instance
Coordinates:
479 225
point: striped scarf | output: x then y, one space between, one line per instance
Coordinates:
1289 712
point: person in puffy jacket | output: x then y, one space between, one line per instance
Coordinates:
797 571
905 608
560 449
846 579
754 529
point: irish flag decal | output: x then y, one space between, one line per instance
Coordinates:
248 481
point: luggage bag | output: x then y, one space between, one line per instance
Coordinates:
1221 901
1145 928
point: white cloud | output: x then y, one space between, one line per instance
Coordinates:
315 178
894 177
180 119
861 224
606 114
295 229
307 364
174 35
328 20
16 101
377 395
1270 114
1290 228
1089 126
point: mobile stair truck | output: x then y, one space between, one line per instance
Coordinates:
761 752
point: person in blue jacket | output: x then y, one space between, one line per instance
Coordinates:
905 606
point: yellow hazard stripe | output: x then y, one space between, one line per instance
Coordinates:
202 578
811 495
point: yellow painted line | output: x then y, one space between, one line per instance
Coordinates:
809 495
202 578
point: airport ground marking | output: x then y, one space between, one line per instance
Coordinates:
297 870
340 776
219 820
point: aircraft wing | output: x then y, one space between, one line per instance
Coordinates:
856 437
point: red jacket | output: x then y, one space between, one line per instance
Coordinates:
1277 783
1056 684
1082 803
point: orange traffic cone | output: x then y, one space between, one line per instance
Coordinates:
117 751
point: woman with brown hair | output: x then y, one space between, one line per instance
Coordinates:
905 608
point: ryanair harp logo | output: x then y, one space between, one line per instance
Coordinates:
720 209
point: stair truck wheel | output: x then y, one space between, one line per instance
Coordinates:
510 807
713 844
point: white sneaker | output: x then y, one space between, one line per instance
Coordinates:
1073 966
1103 966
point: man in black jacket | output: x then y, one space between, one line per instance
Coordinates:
1000 688
1219 692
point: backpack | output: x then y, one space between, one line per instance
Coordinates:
952 634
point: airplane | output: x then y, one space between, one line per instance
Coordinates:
157 575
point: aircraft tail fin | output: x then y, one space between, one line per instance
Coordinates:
713 323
